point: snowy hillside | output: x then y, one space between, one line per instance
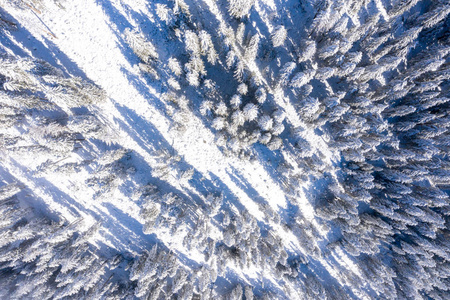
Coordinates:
224 149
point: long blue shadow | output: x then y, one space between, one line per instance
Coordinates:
127 225
48 52
142 131
241 182
228 195
56 194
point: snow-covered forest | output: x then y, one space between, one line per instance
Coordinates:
224 149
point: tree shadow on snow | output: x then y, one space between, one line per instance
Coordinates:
117 221
48 52
55 193
242 183
143 132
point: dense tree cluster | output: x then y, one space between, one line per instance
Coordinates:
43 258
